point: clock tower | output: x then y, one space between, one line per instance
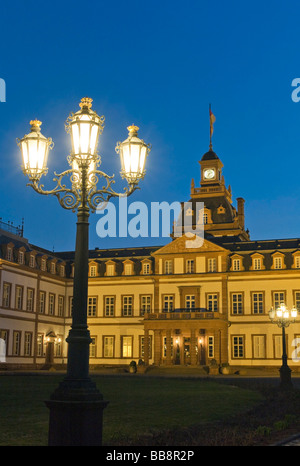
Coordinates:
211 169
219 217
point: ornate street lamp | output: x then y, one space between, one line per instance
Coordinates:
283 317
76 406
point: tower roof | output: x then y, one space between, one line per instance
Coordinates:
210 155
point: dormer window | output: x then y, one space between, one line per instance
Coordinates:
146 268
53 268
62 270
43 265
110 269
257 262
296 263
9 254
31 260
128 268
93 270
278 261
21 257
236 263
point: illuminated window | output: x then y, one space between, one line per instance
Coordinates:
51 304
126 346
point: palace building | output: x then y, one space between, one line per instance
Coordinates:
167 305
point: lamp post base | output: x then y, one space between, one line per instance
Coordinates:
76 414
75 423
285 377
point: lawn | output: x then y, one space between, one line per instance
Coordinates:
137 404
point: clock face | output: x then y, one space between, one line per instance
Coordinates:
209 174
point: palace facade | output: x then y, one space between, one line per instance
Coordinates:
167 305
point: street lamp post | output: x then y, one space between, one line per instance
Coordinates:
76 406
283 317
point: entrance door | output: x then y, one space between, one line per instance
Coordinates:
187 350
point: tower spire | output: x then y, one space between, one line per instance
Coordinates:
212 119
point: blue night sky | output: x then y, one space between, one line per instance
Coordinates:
157 64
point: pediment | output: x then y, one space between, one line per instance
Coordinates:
189 244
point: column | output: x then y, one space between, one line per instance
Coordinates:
168 343
146 347
193 347
157 347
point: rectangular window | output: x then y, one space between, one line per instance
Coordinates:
142 347
110 270
6 295
257 264
21 257
93 347
19 297
108 346
297 300
51 309
42 302
212 265
238 347
62 270
145 304
190 302
27 344
127 307
58 347
43 265
146 268
237 303
165 347
190 266
259 347
92 307
93 271
278 298
128 269
236 264
61 306
210 347
212 302
168 267
278 346
277 262
126 347
40 345
109 306
168 302
31 261
258 303
16 343
30 299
